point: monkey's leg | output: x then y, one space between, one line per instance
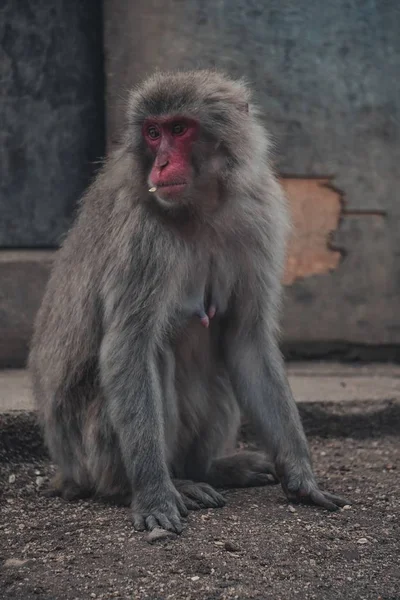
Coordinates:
258 376
217 437
63 435
103 454
195 494
242 469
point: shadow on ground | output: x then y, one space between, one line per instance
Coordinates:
20 435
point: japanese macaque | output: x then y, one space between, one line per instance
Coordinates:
159 325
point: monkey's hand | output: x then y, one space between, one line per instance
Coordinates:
304 489
163 509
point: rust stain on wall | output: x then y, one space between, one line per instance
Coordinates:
315 212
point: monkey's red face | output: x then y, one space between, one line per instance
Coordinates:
170 141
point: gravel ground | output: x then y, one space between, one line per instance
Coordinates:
257 547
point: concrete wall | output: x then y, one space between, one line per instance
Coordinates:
327 77
51 114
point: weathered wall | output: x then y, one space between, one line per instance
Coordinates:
23 277
51 114
315 208
327 77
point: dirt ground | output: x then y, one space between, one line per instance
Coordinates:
257 547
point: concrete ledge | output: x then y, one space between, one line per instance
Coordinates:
23 277
311 382
15 391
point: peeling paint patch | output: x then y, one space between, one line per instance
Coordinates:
315 212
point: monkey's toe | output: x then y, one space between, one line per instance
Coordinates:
242 469
258 471
199 495
165 512
157 520
171 523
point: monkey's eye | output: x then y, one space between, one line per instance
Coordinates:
178 128
153 132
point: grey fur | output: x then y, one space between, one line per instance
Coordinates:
138 400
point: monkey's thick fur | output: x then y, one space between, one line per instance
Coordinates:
135 397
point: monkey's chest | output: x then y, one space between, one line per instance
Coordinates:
206 293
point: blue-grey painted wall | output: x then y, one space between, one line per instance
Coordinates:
51 114
327 75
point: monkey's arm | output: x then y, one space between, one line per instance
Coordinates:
258 374
134 401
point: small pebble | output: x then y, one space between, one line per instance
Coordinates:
292 509
195 578
219 543
159 534
15 562
230 547
346 507
362 541
11 478
40 481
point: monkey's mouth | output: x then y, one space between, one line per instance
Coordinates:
171 187
168 184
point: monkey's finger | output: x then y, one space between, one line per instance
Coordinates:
212 493
191 504
151 523
176 524
212 501
337 499
218 499
319 498
208 502
172 523
138 522
206 496
182 506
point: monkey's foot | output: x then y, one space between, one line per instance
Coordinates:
198 495
165 511
304 489
243 469
65 489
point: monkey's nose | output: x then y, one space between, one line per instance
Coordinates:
162 163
